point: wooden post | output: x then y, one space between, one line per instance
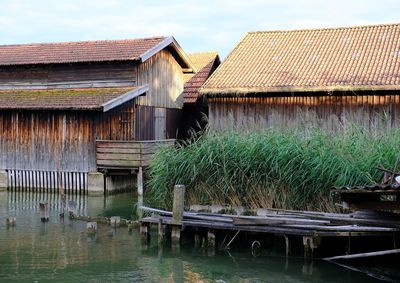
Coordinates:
145 232
210 238
177 213
72 208
161 232
44 211
91 228
178 205
287 245
198 240
139 192
115 221
11 221
310 244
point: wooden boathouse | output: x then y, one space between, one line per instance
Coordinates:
326 77
58 99
195 109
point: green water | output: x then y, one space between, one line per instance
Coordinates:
61 251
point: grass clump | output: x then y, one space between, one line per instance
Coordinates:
273 169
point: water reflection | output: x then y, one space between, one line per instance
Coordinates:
60 250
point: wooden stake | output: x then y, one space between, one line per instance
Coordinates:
161 232
145 232
44 211
115 221
91 228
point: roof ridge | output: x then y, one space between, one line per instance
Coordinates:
85 41
326 28
203 52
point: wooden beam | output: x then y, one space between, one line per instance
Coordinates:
125 97
364 255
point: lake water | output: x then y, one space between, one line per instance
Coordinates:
61 251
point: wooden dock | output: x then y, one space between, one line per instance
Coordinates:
126 155
310 227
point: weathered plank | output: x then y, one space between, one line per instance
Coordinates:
118 156
118 163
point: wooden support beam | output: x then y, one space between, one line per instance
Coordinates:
161 232
287 245
175 235
364 255
211 238
140 192
198 238
310 243
145 232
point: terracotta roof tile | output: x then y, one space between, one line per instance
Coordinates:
59 99
71 52
205 63
366 57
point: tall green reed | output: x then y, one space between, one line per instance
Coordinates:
292 169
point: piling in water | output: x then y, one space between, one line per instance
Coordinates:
11 221
44 211
72 208
115 221
91 228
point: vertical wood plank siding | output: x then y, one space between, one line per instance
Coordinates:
121 73
328 112
60 140
165 78
145 126
47 181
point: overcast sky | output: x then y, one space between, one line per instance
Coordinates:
199 25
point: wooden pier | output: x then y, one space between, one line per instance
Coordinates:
311 228
116 157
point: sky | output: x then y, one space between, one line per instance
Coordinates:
201 25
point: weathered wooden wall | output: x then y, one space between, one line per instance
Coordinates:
68 75
372 111
156 123
60 140
47 140
165 78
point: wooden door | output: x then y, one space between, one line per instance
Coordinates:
160 124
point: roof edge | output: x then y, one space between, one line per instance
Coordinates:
325 28
169 41
124 98
230 92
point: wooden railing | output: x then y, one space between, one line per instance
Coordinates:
112 154
47 181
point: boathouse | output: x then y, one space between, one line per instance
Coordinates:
195 110
329 77
68 109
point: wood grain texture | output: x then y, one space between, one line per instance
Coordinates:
165 78
368 110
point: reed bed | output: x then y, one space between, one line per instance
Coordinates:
292 169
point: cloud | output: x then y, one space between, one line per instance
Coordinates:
198 25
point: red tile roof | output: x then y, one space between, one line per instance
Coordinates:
60 99
205 62
72 52
353 58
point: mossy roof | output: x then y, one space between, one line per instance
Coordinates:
60 99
